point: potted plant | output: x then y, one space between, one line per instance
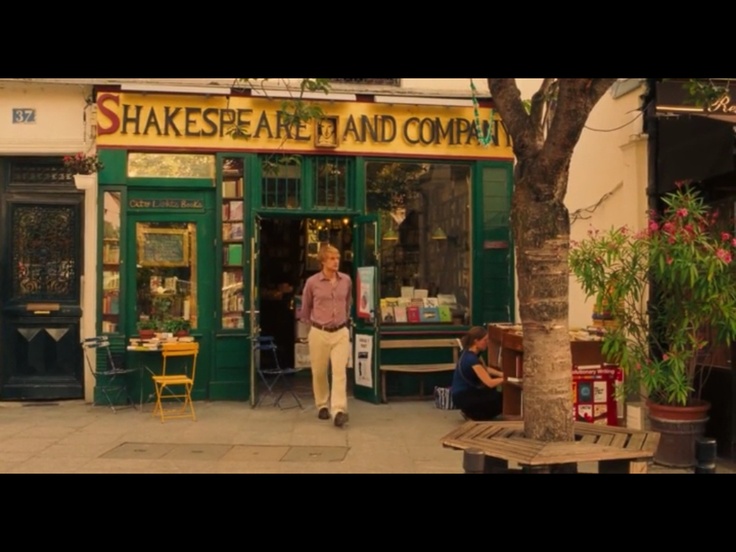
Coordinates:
147 328
83 164
83 168
660 338
177 326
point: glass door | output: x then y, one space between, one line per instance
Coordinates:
366 335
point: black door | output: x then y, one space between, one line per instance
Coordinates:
40 294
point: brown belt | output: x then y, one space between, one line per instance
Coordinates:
329 328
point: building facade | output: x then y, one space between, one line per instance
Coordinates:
210 209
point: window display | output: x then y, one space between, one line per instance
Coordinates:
424 210
111 262
166 282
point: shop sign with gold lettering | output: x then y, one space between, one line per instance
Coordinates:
166 204
149 122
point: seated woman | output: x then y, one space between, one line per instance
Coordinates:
474 385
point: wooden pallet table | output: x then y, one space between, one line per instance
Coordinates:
617 450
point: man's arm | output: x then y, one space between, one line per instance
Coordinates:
306 314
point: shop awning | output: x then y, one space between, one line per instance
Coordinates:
693 143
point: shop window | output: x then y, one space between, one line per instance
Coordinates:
233 238
281 182
166 274
424 212
330 182
170 165
111 262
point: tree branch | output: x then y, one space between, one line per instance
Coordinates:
575 101
507 99
539 100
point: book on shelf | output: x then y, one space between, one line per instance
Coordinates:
446 299
226 211
445 313
412 313
236 231
400 314
110 279
429 314
421 293
387 315
111 253
431 302
234 254
236 210
232 187
407 291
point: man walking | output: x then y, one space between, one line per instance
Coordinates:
326 308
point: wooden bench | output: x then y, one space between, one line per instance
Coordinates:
616 449
422 368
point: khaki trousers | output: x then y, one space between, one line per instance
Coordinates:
333 349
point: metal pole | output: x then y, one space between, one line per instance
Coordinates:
705 455
473 461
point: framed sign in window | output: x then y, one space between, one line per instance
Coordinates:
163 246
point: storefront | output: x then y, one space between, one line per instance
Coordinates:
212 211
688 142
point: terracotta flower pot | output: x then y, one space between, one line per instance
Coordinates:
146 334
679 428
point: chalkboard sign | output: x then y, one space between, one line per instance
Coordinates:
163 247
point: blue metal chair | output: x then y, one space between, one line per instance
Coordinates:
275 379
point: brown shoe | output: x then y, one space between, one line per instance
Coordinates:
340 419
324 414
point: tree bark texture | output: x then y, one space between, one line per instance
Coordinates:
541 230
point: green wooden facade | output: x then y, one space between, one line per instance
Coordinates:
224 368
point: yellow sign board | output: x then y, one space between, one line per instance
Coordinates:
148 122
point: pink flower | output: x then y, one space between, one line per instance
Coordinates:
653 226
669 227
733 242
682 212
724 255
725 236
669 260
665 356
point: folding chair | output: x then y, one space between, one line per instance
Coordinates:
170 387
111 380
275 378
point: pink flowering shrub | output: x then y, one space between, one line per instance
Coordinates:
659 341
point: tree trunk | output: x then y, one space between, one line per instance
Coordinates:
542 234
543 142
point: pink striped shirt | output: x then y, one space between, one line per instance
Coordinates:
326 303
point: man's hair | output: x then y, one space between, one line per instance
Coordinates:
326 250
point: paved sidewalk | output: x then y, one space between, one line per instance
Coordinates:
231 437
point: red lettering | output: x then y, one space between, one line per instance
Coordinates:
109 113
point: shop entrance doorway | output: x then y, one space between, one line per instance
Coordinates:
287 257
